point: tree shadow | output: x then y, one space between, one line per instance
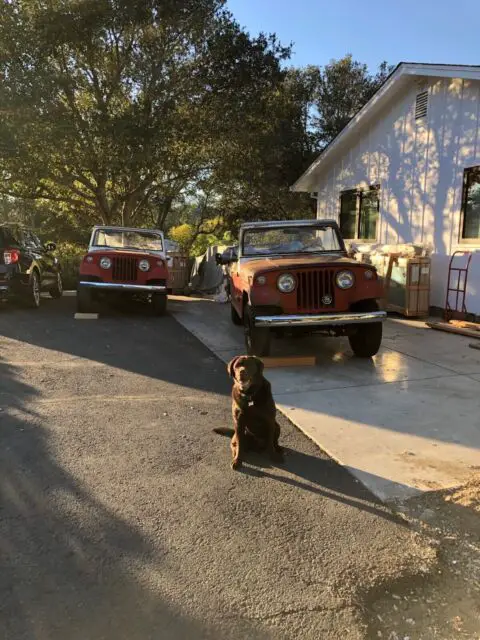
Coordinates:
133 341
71 567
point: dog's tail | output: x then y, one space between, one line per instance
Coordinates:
224 431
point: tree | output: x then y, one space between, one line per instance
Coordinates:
111 108
253 178
344 86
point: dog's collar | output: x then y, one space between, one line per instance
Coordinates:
247 398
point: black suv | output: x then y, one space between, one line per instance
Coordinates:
27 267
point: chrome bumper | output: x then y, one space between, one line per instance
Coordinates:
321 319
113 286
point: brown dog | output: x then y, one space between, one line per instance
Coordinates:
253 410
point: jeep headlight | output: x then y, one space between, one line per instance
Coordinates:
345 279
144 265
286 283
105 263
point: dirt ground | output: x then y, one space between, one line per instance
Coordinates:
445 605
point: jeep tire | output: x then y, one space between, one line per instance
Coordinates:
235 317
56 291
84 300
159 304
366 341
257 339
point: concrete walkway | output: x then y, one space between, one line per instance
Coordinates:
405 422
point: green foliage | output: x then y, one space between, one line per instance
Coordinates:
70 256
183 235
159 113
111 108
344 86
194 241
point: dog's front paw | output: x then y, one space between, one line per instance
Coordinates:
236 464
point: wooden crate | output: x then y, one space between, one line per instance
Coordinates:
178 272
407 284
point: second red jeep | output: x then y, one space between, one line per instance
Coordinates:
124 263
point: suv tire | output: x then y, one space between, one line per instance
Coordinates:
32 298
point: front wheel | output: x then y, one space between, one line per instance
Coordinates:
257 339
32 299
159 304
366 342
235 317
57 290
84 300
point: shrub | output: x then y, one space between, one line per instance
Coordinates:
70 256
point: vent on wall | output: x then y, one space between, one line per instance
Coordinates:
421 105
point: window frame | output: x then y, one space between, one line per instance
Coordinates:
358 210
463 217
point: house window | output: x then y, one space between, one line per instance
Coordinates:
471 204
359 213
348 214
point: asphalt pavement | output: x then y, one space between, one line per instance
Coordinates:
120 517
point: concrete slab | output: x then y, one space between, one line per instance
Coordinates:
396 438
402 423
443 349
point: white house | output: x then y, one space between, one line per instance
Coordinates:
407 169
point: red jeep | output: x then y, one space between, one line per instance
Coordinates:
124 263
295 276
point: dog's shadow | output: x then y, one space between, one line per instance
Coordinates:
318 475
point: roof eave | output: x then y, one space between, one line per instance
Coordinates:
307 181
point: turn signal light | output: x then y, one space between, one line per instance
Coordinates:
11 256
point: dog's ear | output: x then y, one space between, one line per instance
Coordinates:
260 365
231 366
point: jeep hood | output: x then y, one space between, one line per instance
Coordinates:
257 264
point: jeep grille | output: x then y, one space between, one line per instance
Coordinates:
315 290
124 269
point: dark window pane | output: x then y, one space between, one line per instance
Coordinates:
471 225
369 205
348 214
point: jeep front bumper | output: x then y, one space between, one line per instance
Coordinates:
119 286
321 319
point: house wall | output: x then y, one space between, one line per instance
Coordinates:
419 166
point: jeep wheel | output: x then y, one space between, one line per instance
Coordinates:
159 304
257 339
84 300
235 317
366 341
57 290
32 298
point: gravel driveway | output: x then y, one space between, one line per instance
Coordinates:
121 519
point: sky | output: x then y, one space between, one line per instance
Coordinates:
441 31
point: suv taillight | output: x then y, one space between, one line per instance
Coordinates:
11 256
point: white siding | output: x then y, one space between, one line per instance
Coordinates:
419 166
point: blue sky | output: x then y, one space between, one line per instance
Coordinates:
373 30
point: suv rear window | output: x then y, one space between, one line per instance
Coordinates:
7 239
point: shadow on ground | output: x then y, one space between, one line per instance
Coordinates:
70 567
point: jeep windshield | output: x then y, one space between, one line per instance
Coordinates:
125 239
290 240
